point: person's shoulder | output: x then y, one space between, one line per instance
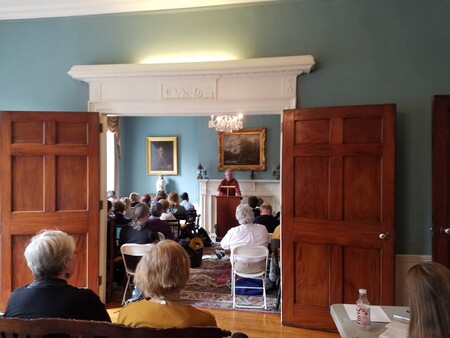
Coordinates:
260 227
164 222
136 305
82 291
200 311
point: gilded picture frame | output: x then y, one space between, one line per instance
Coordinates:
243 149
162 155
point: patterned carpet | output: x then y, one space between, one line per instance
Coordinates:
208 287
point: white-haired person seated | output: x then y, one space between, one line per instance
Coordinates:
246 233
161 274
50 256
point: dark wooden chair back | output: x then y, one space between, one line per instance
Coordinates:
68 328
176 227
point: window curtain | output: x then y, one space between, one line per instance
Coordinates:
113 127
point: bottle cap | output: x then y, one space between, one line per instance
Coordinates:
363 291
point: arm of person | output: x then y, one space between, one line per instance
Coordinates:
122 239
237 189
96 308
219 191
225 242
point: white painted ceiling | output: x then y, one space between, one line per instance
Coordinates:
29 9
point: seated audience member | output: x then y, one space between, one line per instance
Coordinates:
110 211
119 211
50 256
111 195
274 269
260 201
174 205
135 199
160 195
162 273
247 233
166 215
185 202
253 203
146 198
129 211
157 224
266 218
428 286
136 231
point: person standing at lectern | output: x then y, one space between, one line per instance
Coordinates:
228 181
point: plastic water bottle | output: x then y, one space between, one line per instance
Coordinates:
363 311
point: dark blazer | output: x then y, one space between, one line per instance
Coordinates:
54 298
268 221
143 236
161 226
120 219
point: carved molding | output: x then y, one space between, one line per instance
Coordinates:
252 86
180 91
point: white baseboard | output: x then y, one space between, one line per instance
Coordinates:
402 264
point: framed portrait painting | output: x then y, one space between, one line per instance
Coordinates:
244 149
162 155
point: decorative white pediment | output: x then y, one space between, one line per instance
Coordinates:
252 86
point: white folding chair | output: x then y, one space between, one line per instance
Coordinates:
161 236
131 254
249 254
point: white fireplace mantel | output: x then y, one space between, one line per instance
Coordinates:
268 190
251 86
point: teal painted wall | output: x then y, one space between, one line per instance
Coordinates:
385 51
196 144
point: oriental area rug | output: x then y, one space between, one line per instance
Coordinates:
209 287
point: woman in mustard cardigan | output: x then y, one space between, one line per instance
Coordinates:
161 274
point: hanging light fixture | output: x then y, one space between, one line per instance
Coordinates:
226 123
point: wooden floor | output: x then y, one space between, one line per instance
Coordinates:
254 324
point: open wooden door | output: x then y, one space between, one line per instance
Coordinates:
441 179
338 210
49 178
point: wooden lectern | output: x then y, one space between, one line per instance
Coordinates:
225 212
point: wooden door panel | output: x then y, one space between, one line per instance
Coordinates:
441 179
358 263
27 132
361 188
70 196
22 169
311 187
49 180
21 276
340 162
71 133
311 276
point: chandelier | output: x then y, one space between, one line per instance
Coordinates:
226 123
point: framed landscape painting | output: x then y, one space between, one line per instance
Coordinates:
244 149
162 155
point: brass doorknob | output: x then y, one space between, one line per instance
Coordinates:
383 235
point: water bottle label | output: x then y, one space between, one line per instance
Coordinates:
363 317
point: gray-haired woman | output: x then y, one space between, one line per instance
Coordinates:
50 257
